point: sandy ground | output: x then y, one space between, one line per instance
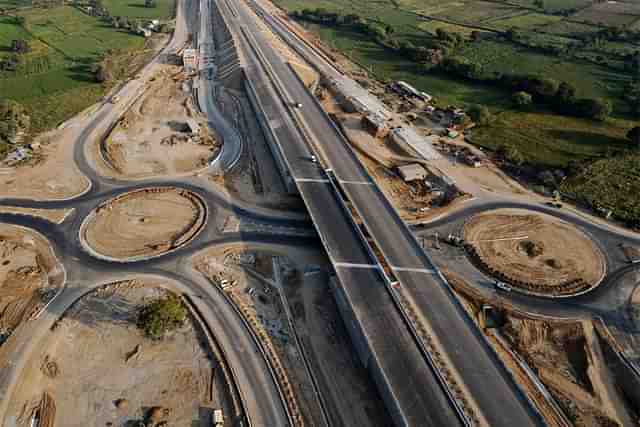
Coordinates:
151 140
144 223
28 269
96 356
251 282
536 248
57 216
569 364
51 175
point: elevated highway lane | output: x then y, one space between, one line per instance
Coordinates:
483 376
385 343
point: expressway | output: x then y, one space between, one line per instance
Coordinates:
419 399
462 343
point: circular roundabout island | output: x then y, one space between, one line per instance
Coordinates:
533 253
143 224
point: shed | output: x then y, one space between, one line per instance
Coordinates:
412 172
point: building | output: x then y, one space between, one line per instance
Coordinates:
412 172
190 59
406 89
376 125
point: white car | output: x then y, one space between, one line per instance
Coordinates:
297 105
313 159
502 286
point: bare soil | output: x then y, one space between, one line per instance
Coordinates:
154 136
50 175
28 270
534 248
144 223
96 368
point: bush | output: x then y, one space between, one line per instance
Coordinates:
522 99
480 114
161 316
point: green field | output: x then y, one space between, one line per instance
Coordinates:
611 184
136 9
550 140
54 80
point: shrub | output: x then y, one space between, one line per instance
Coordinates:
161 316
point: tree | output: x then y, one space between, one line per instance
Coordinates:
521 99
161 316
149 3
634 135
566 92
480 114
596 109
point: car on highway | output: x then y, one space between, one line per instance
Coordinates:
313 159
297 105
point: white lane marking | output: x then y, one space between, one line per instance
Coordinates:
414 270
352 265
355 182
320 180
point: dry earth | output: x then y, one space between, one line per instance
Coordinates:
28 268
50 175
162 133
143 223
534 248
97 368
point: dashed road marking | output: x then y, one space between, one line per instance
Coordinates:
353 265
413 270
319 180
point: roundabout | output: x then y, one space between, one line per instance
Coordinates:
143 224
534 253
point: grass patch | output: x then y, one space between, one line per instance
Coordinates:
612 183
135 9
529 21
549 140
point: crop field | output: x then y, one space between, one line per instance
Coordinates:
529 20
477 12
54 79
550 140
609 183
136 9
570 29
590 80
556 5
610 13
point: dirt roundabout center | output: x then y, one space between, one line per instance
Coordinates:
534 253
143 224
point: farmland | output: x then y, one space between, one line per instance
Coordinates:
54 78
136 9
595 71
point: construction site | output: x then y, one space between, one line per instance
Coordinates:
534 253
30 274
288 305
132 380
162 133
143 223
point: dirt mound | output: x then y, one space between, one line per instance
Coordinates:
534 252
